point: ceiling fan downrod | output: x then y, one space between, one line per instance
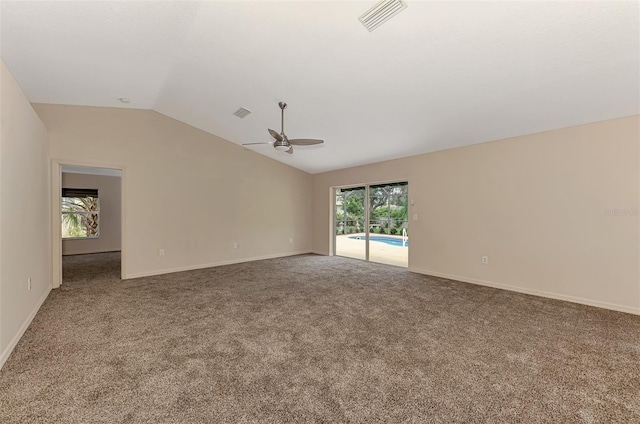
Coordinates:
283 106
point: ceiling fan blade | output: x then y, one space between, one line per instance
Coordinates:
275 134
290 151
305 141
251 144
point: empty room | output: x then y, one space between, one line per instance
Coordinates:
319 211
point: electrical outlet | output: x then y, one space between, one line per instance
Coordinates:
235 245
161 252
485 260
290 239
29 283
415 216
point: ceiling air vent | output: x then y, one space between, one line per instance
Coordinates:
381 13
242 112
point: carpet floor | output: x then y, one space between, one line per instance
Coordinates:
314 339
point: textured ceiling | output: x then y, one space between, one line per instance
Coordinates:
438 75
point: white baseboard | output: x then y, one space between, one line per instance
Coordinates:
12 344
213 264
317 252
541 293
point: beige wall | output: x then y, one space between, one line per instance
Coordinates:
25 217
536 205
185 191
110 207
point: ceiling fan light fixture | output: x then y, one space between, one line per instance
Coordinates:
281 145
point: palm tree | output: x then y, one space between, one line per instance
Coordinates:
77 216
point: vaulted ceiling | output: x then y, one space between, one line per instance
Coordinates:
438 75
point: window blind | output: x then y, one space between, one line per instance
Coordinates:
79 192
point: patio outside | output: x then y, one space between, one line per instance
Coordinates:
378 251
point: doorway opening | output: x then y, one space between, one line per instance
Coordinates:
88 224
371 223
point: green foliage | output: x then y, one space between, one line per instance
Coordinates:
378 213
77 221
355 208
388 209
399 216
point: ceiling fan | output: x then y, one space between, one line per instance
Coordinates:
281 141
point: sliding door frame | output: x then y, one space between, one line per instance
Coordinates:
366 222
367 203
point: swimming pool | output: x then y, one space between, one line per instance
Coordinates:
387 240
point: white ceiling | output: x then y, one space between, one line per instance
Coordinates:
73 169
438 75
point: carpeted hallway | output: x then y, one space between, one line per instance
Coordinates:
314 339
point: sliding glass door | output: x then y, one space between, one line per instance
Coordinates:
350 222
384 209
388 224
